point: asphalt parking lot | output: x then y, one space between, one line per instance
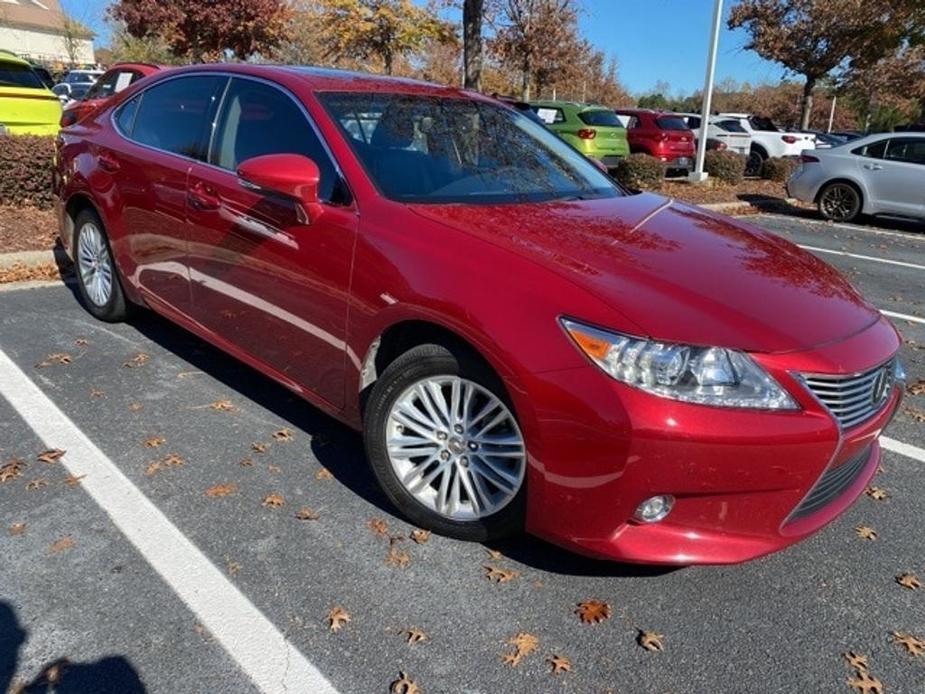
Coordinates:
221 520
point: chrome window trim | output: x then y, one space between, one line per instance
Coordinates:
230 74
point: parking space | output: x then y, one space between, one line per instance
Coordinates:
278 499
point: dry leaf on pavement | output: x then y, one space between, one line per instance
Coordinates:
135 406
152 467
96 393
378 526
233 567
273 500
494 554
876 493
283 435
404 685
865 683
651 640
496 574
337 617
420 536
917 413
260 447
559 664
913 644
856 660
910 581
221 489
17 528
222 406
866 532
73 480
153 441
306 514
413 635
55 358
917 388
61 544
523 643
10 469
246 462
397 557
593 611
37 483
49 456
81 342
137 360
323 474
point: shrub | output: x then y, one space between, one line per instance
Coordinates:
725 166
25 169
778 168
640 171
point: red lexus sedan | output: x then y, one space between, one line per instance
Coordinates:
523 344
664 136
113 81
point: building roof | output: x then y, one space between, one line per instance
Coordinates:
41 15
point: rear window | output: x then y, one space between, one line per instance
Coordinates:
12 75
602 118
671 123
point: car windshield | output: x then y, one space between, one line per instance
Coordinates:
671 123
429 149
601 118
13 75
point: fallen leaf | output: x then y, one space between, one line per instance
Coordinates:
273 468
917 413
282 435
404 685
323 474
865 683
73 480
152 467
172 460
306 514
221 489
909 581
337 617
233 567
913 644
260 447
559 664
378 526
96 393
135 406
11 469
37 483
413 635
917 388
62 544
420 536
134 362
273 500
865 532
222 406
247 462
856 660
593 611
651 640
397 557
876 493
49 456
496 574
55 358
153 441
81 342
494 554
524 643
17 528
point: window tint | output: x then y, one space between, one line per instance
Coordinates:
175 115
730 126
600 118
907 149
671 123
258 119
13 75
125 116
761 123
875 150
693 122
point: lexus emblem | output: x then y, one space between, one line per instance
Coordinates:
880 387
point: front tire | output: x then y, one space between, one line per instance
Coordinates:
839 202
97 277
443 441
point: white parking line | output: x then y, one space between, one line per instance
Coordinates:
909 236
863 257
905 449
903 316
263 653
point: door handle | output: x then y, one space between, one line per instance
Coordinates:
202 197
873 167
108 162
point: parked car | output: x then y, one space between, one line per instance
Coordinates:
825 139
722 133
878 174
849 135
594 131
69 93
81 76
662 135
525 345
769 141
520 106
27 106
113 81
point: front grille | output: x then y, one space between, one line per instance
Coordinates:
833 482
852 399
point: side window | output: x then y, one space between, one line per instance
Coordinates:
633 123
908 149
176 115
259 119
693 122
102 87
874 150
125 116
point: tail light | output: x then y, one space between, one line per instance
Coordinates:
808 159
68 118
789 139
587 133
720 145
662 135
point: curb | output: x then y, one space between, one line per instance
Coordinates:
723 206
29 258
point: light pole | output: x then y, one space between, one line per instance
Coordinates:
698 174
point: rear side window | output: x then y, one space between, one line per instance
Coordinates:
549 115
175 115
258 119
693 122
731 126
906 149
875 150
602 118
125 116
14 75
671 123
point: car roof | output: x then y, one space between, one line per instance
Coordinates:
10 57
561 103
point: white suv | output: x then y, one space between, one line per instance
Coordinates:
722 133
769 141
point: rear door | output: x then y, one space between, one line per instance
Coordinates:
264 278
895 175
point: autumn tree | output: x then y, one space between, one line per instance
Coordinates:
378 29
813 38
889 91
73 34
472 16
204 29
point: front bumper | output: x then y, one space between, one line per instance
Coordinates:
737 475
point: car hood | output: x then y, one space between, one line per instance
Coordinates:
675 271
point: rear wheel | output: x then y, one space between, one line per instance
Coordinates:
444 443
97 279
754 163
839 202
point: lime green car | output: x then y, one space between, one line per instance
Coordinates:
595 131
27 106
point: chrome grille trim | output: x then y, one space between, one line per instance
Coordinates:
853 398
831 484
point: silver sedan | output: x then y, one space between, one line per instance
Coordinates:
878 174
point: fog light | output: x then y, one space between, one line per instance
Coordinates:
654 508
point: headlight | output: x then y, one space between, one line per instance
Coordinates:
704 375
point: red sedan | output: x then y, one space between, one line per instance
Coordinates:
664 136
113 81
523 344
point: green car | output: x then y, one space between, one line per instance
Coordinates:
27 106
595 131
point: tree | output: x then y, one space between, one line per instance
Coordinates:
473 13
204 29
890 91
814 37
382 29
304 40
73 34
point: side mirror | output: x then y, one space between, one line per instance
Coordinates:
292 175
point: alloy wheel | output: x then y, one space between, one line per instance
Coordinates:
455 447
839 202
94 264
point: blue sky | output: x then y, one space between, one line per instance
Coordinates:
653 40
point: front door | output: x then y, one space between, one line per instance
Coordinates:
264 278
897 180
